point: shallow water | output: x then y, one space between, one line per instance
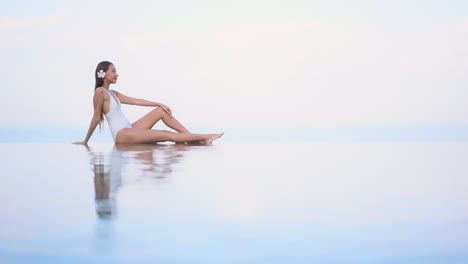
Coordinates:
233 202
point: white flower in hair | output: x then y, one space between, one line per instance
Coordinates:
101 74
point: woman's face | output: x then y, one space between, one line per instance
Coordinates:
111 74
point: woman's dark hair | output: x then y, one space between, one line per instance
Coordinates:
104 66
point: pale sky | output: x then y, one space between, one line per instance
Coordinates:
239 62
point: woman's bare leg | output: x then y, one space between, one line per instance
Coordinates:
150 119
141 135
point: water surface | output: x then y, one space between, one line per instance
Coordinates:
234 202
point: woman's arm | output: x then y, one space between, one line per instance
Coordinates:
135 101
98 102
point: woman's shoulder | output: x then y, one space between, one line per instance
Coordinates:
100 92
103 90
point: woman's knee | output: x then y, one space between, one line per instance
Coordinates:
159 110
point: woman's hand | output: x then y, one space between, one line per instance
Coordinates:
167 109
81 143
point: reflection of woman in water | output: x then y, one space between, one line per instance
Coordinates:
105 185
108 169
107 103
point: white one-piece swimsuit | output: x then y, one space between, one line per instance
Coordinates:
115 117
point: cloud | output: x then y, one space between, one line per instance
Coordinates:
295 70
311 72
15 22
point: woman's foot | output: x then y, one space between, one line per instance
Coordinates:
212 137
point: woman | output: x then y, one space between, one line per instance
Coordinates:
107 103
